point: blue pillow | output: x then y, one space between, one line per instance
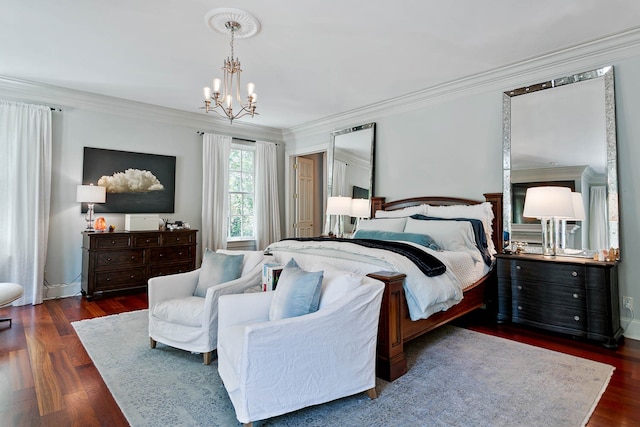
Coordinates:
420 239
297 294
217 268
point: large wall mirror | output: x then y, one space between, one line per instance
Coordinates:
350 162
562 132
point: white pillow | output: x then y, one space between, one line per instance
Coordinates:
481 211
336 284
449 235
404 212
383 224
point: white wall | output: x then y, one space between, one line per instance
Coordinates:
451 144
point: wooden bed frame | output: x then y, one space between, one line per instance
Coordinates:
396 328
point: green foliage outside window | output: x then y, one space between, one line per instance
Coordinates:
241 194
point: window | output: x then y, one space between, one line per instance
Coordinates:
241 225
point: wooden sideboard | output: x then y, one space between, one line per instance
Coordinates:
574 296
126 260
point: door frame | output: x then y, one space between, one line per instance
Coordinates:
290 178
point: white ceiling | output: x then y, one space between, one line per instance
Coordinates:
311 59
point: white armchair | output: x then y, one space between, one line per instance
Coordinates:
271 368
179 319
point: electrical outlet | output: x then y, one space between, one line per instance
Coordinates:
627 302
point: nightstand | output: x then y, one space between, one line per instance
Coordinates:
574 296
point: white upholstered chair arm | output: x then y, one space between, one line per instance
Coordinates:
255 308
180 285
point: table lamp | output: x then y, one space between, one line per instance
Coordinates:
339 206
90 194
549 204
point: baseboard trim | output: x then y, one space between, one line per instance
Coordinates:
631 328
63 290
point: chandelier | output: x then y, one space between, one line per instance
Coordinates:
225 93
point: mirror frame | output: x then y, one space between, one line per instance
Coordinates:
606 73
331 149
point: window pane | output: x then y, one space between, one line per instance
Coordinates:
235 181
247 204
247 226
235 204
247 182
247 161
235 160
235 225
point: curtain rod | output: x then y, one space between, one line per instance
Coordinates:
55 108
200 132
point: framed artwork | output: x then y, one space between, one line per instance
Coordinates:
135 182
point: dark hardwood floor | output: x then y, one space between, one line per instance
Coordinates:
47 378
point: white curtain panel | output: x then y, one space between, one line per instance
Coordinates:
25 195
267 202
215 184
598 218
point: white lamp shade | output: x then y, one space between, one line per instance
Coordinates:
338 205
578 207
91 194
360 208
548 202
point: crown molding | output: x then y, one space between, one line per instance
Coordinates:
590 55
69 99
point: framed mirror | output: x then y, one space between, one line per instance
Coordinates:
350 163
562 132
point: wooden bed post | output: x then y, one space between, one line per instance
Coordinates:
391 362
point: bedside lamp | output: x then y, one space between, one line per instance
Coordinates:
339 205
360 208
549 204
90 194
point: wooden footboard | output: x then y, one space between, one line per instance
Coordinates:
395 326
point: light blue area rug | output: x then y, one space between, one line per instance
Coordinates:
456 377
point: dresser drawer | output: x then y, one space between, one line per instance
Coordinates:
146 240
545 293
574 319
552 272
170 253
119 278
178 238
165 270
115 259
112 242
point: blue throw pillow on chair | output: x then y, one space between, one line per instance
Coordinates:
217 268
297 294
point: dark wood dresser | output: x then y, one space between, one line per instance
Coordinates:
575 296
126 260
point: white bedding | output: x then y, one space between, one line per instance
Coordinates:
425 295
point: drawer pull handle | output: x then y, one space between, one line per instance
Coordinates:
132 258
108 259
518 267
177 239
519 287
108 279
132 276
160 255
576 296
576 318
574 274
519 307
147 241
113 242
180 253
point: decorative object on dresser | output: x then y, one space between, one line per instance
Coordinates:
126 260
90 194
575 296
549 205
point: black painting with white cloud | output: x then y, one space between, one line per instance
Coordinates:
135 182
